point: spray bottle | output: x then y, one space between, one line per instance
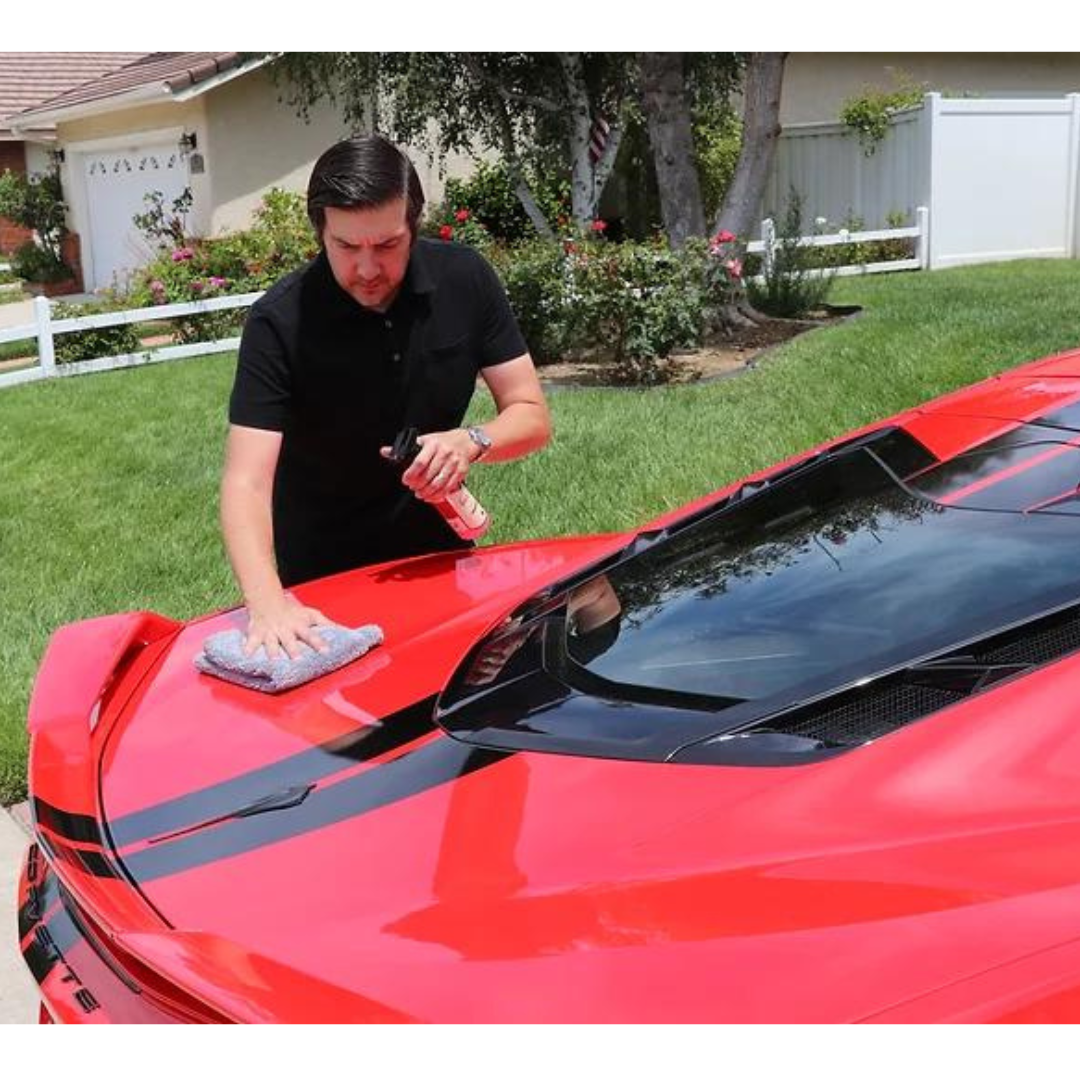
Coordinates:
460 508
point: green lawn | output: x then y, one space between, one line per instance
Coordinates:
108 483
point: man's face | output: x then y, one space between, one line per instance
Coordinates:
369 251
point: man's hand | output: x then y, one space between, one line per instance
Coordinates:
283 625
442 464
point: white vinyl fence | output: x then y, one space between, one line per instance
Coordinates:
999 176
45 329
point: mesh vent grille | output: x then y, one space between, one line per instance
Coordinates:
867 714
870 716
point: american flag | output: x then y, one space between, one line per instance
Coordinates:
598 137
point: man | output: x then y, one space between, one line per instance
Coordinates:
382 330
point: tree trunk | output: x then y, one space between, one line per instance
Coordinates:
671 135
761 128
582 186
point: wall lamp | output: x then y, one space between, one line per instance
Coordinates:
188 142
57 156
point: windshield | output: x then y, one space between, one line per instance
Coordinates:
836 574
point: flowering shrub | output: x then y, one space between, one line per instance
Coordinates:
489 194
281 240
630 305
460 224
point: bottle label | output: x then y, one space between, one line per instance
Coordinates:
464 514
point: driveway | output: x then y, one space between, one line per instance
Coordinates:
18 994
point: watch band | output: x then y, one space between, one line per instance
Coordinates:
481 440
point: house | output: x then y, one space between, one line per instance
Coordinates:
816 85
26 80
209 122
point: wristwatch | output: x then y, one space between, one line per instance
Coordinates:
480 439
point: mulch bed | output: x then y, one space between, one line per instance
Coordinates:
722 356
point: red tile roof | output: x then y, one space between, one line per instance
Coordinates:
28 79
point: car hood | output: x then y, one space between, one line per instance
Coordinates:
336 836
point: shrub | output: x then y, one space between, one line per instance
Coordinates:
93 344
36 202
38 264
868 113
799 276
629 305
489 196
279 241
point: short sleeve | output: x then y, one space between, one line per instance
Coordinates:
262 389
501 338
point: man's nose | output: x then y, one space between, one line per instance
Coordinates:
367 265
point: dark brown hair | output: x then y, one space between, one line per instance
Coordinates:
360 174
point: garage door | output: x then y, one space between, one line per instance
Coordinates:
116 186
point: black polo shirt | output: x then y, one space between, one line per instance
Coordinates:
339 381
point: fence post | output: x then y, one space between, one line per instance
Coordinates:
768 240
922 244
46 354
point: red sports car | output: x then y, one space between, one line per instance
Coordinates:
805 750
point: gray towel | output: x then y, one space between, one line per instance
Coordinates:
223 656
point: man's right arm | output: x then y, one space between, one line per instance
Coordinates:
276 619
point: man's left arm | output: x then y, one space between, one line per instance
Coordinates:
522 425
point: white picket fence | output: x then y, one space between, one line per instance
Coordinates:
919 232
45 328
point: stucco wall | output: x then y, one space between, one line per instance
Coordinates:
128 129
817 84
256 142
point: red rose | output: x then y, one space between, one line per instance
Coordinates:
462 215
724 237
445 233
598 225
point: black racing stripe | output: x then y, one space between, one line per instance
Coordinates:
438 762
396 730
89 862
1067 418
79 827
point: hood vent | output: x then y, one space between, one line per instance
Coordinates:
863 714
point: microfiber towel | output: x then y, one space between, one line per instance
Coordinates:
223 656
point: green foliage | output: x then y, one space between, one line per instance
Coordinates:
38 264
868 113
93 344
800 276
163 228
717 141
488 194
627 305
279 241
36 202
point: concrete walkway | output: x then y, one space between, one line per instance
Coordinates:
17 314
18 992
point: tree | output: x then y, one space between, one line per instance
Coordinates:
761 129
537 110
666 104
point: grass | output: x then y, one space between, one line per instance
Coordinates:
108 483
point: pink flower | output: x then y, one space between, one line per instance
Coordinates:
446 232
218 282
462 215
197 286
569 247
724 237
182 254
734 267
598 226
